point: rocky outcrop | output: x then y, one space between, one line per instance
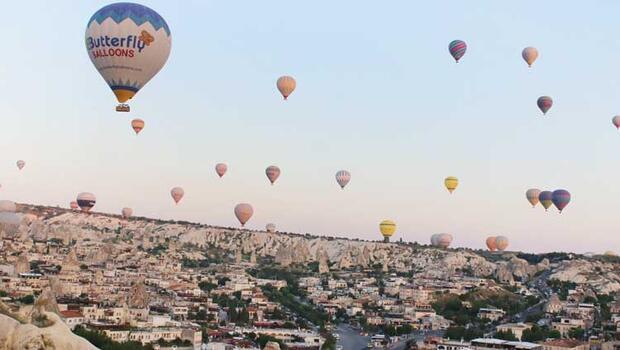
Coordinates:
70 262
22 265
138 297
602 277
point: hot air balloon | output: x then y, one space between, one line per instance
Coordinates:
243 212
220 169
86 201
21 164
137 125
286 85
560 199
491 243
387 229
272 172
616 121
501 243
343 177
546 199
529 54
128 44
451 183
443 240
544 103
73 205
609 253
532 196
434 239
7 206
271 228
127 212
457 49
177 194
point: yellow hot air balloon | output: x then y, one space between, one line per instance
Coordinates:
451 183
387 228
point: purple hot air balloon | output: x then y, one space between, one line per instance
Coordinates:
561 198
546 199
457 49
544 103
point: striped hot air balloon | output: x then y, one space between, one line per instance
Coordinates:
457 49
560 199
343 177
546 199
544 103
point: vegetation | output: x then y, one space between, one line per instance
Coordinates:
103 342
561 287
506 335
286 298
537 333
458 333
28 299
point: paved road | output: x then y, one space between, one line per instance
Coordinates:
350 339
418 336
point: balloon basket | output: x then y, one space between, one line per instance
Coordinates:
122 108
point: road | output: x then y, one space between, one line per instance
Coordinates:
350 339
417 335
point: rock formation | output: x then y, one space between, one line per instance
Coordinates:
138 297
22 265
70 262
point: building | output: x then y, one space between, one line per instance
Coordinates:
498 344
491 313
516 328
72 318
564 325
452 345
565 344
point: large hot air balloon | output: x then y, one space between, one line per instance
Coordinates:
243 212
532 196
286 85
21 164
137 125
220 169
272 172
73 205
7 206
128 44
343 177
127 212
491 243
616 121
271 228
177 194
544 103
546 199
529 54
434 239
387 229
443 240
501 243
451 183
560 199
457 49
86 201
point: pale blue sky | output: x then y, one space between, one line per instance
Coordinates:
378 94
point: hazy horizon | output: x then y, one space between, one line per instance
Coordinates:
377 94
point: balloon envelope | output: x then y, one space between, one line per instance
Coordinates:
491 243
529 54
387 228
128 44
220 169
544 103
616 121
444 240
270 227
451 183
286 85
532 196
272 172
457 49
73 205
20 164
560 199
86 201
137 125
501 243
546 199
243 212
177 194
343 177
127 212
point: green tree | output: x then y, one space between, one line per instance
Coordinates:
576 333
505 335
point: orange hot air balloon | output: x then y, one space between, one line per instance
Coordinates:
220 169
272 172
177 194
137 125
491 243
243 212
286 85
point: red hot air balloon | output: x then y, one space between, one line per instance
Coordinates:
137 125
544 103
560 199
491 243
73 205
343 177
272 172
457 49
616 121
220 169
243 212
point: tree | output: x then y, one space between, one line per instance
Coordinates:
505 335
576 333
28 299
207 286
